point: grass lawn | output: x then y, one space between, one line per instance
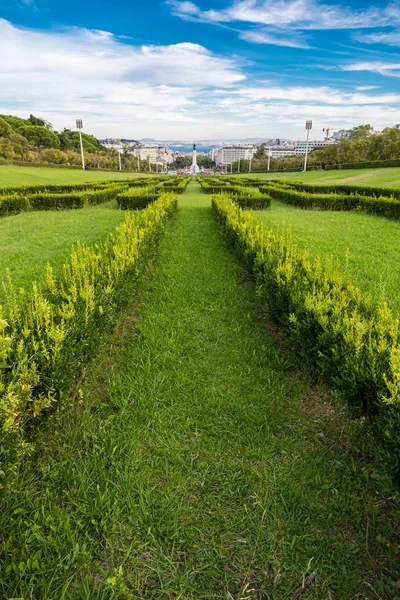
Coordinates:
29 241
11 175
373 244
201 464
378 177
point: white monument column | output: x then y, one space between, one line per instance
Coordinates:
195 167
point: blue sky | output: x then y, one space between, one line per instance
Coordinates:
179 69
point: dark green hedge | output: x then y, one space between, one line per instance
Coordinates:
374 164
383 207
13 204
339 188
136 198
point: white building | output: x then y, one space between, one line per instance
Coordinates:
155 153
226 155
281 151
301 147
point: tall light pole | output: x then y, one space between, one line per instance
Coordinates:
308 127
79 126
269 157
119 156
239 164
250 163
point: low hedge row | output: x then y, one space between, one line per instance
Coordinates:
177 186
354 345
382 207
374 164
332 188
51 332
136 198
17 203
249 198
13 205
28 190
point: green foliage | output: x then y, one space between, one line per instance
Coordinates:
372 164
70 141
136 198
50 332
39 136
193 461
261 151
53 197
381 206
13 204
354 346
340 188
15 122
5 128
31 240
40 122
175 185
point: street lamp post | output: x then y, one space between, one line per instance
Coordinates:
250 164
269 157
79 126
308 127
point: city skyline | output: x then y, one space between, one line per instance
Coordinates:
185 70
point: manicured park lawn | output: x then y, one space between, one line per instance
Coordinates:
10 175
378 177
29 241
371 244
200 463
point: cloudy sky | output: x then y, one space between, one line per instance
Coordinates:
201 69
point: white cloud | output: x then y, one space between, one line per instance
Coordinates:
383 68
292 14
177 91
389 38
260 36
78 72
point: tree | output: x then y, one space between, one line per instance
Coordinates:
261 153
40 122
5 128
360 132
40 136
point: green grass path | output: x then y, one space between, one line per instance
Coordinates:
199 466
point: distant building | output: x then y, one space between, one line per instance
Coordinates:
155 153
226 155
340 135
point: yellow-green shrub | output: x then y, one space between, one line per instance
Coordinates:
353 344
50 332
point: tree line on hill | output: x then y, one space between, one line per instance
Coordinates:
34 140
362 144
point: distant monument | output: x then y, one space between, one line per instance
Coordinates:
194 169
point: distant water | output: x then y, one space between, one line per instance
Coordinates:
189 148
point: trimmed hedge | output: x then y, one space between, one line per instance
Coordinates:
250 198
363 190
13 204
44 200
51 332
374 164
382 207
354 345
136 198
175 186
